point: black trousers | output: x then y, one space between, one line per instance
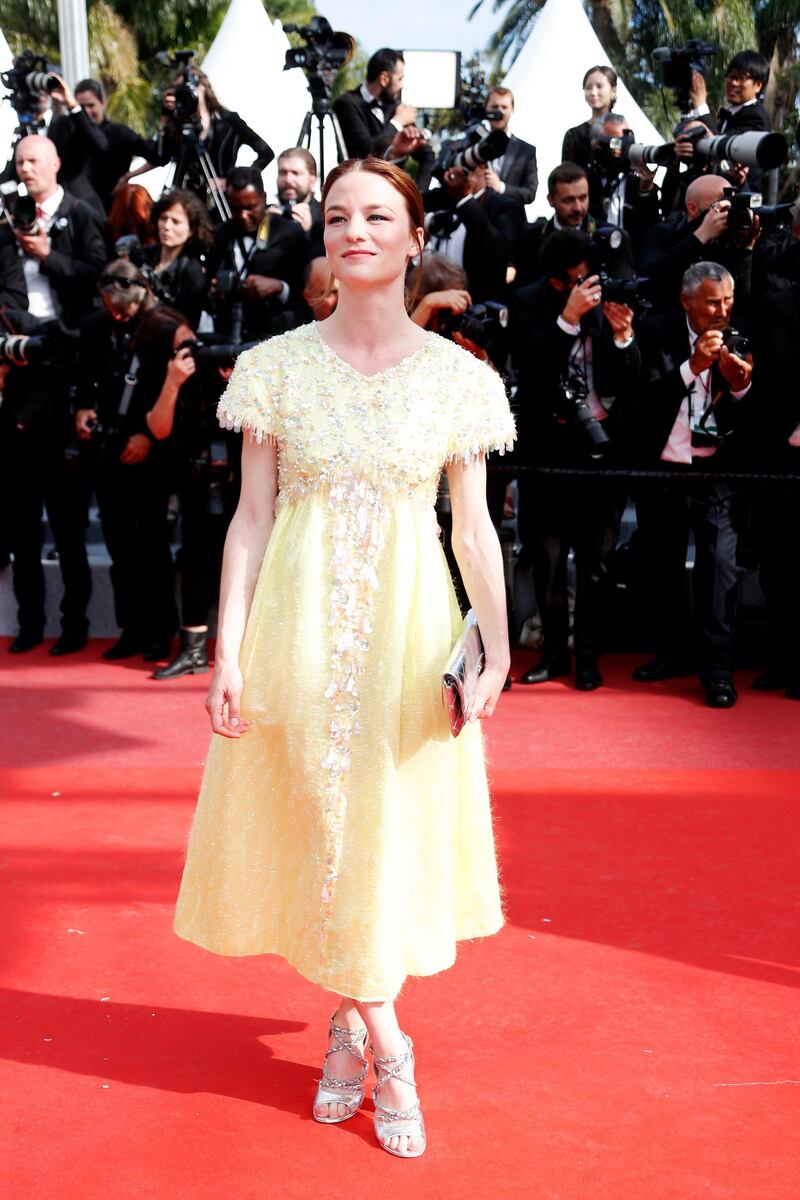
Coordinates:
776 512
558 514
36 473
206 511
133 502
666 511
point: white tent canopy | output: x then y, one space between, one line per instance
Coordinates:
8 118
245 66
546 81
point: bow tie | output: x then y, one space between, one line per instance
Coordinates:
723 115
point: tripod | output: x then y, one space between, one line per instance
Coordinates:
321 109
194 168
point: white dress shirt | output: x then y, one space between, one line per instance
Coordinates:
41 299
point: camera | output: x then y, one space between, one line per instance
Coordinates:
20 212
743 206
185 89
473 148
208 352
750 149
22 350
736 342
483 324
676 66
625 291
26 80
326 51
576 414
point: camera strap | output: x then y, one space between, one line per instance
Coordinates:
130 383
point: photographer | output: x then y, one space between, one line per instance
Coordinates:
704 231
194 123
121 369
775 432
695 377
620 195
514 173
577 360
374 120
297 179
185 236
205 473
77 140
109 167
568 196
48 265
475 228
256 264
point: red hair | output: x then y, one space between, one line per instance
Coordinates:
401 183
130 213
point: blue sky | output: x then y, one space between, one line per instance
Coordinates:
413 24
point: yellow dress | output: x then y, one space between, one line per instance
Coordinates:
347 830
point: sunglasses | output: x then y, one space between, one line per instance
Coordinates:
120 281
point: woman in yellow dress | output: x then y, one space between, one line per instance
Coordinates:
339 824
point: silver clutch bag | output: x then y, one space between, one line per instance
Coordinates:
460 676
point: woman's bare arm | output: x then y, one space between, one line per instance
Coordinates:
245 545
480 561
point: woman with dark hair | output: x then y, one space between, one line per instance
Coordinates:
339 823
184 236
600 92
120 371
220 135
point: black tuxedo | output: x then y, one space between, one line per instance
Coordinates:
668 510
665 347
492 224
79 250
363 132
559 513
777 504
284 257
35 423
670 248
519 173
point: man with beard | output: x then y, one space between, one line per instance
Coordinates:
374 120
297 178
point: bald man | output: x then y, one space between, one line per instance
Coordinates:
700 234
49 272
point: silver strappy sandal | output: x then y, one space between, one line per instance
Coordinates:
330 1089
389 1122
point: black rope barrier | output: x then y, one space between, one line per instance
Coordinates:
514 469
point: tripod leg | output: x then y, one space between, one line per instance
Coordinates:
215 191
304 138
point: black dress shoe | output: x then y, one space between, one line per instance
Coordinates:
587 675
548 668
24 642
126 645
507 684
661 668
68 643
770 681
158 651
720 693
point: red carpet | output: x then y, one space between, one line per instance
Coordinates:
632 1033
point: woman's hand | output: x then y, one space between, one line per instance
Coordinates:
224 697
181 367
487 693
